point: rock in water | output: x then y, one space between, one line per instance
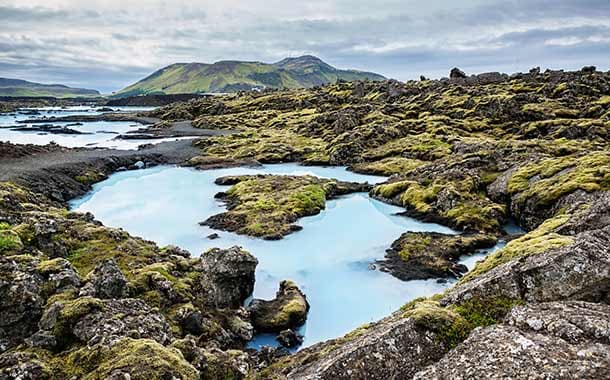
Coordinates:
457 73
288 309
227 277
289 338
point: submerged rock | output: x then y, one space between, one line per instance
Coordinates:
288 309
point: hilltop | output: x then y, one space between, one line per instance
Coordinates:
233 76
22 88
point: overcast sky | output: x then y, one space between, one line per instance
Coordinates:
107 44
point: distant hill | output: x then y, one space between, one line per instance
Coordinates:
18 87
233 76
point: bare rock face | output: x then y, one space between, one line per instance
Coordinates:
550 340
579 271
227 277
394 348
572 321
288 309
106 281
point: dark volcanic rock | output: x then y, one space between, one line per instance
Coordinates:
424 255
21 300
457 74
92 321
106 281
227 277
288 309
289 338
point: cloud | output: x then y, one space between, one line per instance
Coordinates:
109 43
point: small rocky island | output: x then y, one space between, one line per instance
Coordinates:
80 300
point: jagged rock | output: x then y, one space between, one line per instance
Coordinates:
424 255
288 309
289 339
21 300
60 275
106 281
548 340
547 276
227 277
457 74
213 363
177 251
94 321
23 365
572 321
394 348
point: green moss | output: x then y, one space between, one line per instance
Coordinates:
387 166
266 206
535 242
549 179
449 327
143 359
9 242
90 177
70 313
51 266
485 312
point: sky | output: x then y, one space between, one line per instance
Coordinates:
108 44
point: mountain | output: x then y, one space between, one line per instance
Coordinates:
18 87
233 76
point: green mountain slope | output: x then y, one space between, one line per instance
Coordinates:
232 76
22 88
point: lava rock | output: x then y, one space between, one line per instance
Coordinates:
288 310
289 339
106 281
457 74
227 277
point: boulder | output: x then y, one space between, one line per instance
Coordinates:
93 321
106 281
288 310
457 74
549 340
21 300
289 338
226 278
578 271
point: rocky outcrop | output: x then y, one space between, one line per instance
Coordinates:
227 277
424 255
546 276
288 309
266 206
106 281
21 300
394 348
554 340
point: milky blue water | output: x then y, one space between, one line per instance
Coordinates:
329 259
99 134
